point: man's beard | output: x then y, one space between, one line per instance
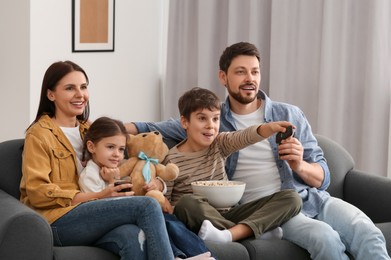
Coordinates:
244 100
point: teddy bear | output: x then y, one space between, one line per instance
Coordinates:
146 151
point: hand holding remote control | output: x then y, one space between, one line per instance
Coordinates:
284 135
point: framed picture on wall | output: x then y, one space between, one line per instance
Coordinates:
93 25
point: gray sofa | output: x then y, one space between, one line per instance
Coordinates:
26 235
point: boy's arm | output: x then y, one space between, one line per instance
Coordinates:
236 140
268 129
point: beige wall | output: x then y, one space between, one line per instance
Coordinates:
124 84
14 67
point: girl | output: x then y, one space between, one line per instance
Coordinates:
132 227
104 145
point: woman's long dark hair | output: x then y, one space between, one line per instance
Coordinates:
52 76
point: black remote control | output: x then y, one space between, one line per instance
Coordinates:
281 136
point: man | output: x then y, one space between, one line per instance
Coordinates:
297 163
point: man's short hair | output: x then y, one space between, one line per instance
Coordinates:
231 52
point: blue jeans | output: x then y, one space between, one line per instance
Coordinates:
184 242
339 227
132 227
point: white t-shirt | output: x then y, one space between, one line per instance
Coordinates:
90 179
256 164
73 135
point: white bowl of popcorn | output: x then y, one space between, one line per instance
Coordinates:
220 194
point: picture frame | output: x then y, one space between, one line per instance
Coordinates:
93 24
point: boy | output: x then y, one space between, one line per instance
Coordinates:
201 156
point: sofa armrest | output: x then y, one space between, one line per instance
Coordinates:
370 193
24 234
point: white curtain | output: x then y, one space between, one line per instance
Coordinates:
331 58
199 31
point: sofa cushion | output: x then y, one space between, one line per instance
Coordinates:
339 161
233 250
274 249
82 253
386 230
23 232
370 193
11 170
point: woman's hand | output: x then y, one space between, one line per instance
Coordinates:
109 192
116 191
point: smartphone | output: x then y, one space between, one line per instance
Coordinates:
281 136
123 181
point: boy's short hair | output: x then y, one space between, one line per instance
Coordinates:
195 99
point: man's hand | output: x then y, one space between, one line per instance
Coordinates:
131 128
292 151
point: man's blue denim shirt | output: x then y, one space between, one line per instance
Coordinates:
313 198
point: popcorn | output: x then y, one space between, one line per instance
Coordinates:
215 183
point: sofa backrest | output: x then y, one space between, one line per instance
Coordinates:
340 162
11 166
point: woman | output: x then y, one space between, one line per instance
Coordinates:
132 227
